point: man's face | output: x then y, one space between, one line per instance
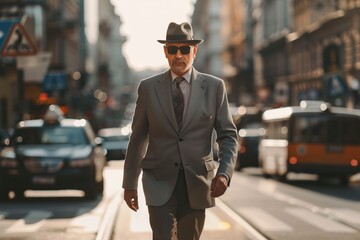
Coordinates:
180 56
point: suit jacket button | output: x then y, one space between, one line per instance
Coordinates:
176 164
181 139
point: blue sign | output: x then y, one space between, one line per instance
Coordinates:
5 28
55 82
337 86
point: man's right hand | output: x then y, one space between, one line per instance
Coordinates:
131 199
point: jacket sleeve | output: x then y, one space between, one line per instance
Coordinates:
137 144
226 134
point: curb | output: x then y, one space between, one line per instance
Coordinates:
249 229
107 224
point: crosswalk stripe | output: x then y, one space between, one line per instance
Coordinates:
346 214
319 221
30 223
263 219
87 220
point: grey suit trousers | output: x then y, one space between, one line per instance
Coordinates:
176 219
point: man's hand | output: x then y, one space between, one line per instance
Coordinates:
218 185
131 199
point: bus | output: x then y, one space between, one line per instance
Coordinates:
314 138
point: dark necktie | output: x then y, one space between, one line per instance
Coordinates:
178 100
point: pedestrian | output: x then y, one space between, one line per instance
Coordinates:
171 142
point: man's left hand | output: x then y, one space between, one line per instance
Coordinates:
218 185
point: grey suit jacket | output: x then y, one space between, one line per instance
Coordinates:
157 146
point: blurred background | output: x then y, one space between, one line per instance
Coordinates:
88 57
270 53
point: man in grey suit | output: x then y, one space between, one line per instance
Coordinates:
172 142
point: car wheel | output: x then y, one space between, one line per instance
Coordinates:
100 187
4 194
344 180
91 192
91 189
19 194
282 177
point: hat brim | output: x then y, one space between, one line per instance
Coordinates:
195 41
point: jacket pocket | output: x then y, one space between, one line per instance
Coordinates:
206 117
209 162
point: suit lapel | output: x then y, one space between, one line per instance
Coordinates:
163 93
198 87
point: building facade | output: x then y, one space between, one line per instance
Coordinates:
325 50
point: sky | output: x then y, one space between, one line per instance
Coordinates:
146 21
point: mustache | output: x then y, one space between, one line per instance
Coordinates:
177 61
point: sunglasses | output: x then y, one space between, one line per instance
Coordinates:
183 49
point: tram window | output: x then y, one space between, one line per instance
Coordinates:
317 127
351 131
309 129
344 131
300 129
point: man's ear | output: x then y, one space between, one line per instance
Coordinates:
195 50
165 51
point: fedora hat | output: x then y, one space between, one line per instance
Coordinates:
180 33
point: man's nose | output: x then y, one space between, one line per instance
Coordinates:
178 54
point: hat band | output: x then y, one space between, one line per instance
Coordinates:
178 38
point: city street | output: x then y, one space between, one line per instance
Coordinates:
61 215
190 84
252 208
221 223
302 208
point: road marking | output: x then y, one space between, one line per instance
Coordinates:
347 215
264 220
140 220
30 223
319 221
247 227
212 222
87 220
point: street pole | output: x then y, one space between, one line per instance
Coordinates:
20 102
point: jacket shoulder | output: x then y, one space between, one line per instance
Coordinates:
210 78
154 78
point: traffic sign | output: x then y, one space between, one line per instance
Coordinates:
18 43
4 31
5 27
35 67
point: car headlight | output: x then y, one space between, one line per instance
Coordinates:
80 162
7 158
8 163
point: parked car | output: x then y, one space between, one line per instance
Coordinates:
248 152
115 141
51 154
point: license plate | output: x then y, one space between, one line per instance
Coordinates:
43 180
334 148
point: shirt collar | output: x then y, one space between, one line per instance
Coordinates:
187 76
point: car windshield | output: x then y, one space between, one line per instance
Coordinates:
50 135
